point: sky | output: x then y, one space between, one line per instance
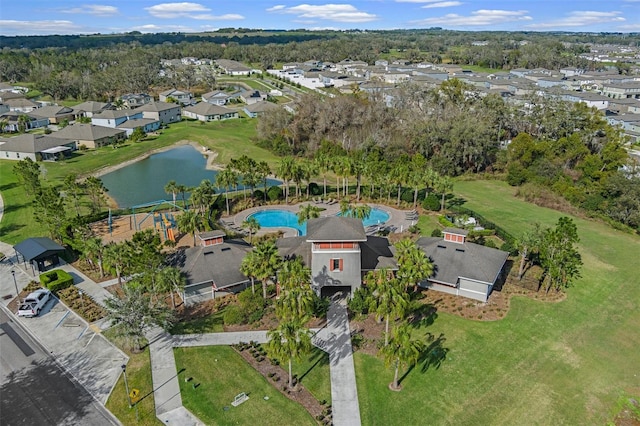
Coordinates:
44 17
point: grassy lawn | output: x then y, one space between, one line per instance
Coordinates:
426 224
313 372
18 221
221 375
210 324
563 363
138 377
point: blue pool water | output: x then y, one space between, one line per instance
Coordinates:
283 218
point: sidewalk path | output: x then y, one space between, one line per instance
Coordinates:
335 339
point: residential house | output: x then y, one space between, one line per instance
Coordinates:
31 121
624 106
89 108
251 97
181 96
204 111
259 108
90 135
232 67
55 113
21 105
4 108
36 147
592 100
147 125
212 268
114 118
164 112
218 97
6 95
135 100
462 268
630 124
622 91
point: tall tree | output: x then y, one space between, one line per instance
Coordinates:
171 280
48 210
250 268
289 341
226 179
402 350
285 172
529 244
413 264
28 173
117 257
559 256
96 192
263 170
172 188
295 295
388 298
73 190
267 262
444 185
190 222
306 212
251 224
134 312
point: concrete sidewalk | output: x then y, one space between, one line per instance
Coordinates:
335 339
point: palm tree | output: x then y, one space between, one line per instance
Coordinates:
251 223
172 188
226 179
361 211
413 264
182 189
289 341
263 170
308 211
117 257
444 185
190 222
345 207
267 262
23 123
416 175
286 173
308 170
399 174
295 296
323 163
94 250
203 195
388 298
401 350
249 267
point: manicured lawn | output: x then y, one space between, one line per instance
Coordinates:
210 324
313 373
221 375
18 222
562 363
138 377
427 223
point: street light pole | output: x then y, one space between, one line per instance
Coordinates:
126 384
13 273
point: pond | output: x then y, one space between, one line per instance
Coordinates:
144 181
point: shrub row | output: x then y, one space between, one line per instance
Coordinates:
56 280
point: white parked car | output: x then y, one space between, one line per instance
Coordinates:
34 302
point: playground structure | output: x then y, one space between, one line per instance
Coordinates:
121 228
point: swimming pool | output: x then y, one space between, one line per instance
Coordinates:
284 218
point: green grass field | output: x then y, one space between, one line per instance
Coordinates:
562 363
222 374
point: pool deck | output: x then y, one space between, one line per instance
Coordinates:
397 218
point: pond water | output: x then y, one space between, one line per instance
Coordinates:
144 181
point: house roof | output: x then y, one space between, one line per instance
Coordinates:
211 234
91 106
136 122
335 228
20 103
115 113
218 263
38 248
205 108
52 111
87 132
5 96
456 231
173 92
31 143
157 107
261 106
216 94
466 260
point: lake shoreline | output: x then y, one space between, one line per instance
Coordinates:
210 165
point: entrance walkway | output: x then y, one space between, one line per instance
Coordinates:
335 339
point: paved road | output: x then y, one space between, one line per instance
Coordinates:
35 391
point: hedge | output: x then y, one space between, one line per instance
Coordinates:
56 280
482 221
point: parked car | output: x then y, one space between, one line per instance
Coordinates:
34 302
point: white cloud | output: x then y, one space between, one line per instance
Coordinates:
442 4
477 18
11 27
175 10
276 8
93 9
329 12
188 10
581 19
418 1
153 28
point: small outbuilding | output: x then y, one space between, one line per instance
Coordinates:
43 253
